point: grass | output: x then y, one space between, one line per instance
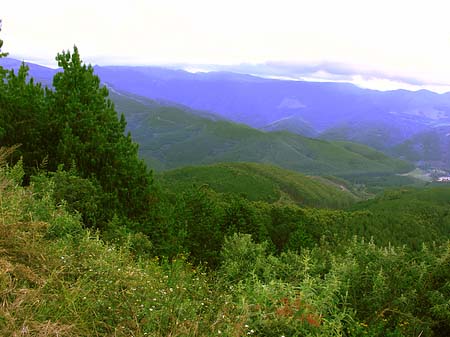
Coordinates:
60 279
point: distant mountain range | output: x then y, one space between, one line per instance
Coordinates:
389 121
334 111
395 122
41 74
260 102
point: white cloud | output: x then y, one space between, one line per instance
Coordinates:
403 38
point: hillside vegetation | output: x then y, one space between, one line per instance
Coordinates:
261 182
172 137
59 279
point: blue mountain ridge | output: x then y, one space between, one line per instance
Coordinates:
385 120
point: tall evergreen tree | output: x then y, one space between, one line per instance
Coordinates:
22 114
85 130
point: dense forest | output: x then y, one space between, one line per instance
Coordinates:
93 243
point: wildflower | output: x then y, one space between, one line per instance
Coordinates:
24 330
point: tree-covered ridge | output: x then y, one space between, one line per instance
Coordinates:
172 137
261 182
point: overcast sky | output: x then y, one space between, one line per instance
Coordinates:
380 43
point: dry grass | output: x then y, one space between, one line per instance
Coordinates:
24 266
5 153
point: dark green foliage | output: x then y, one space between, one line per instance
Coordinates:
200 217
284 220
196 220
241 216
85 130
79 195
23 119
75 124
409 216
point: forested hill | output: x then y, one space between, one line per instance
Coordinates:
171 137
261 182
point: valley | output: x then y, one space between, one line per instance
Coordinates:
406 124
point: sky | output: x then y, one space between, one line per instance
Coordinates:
380 44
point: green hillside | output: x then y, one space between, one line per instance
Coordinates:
60 279
430 149
172 137
260 182
410 216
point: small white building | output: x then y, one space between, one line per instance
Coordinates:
444 179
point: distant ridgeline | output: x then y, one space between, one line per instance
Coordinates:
173 136
392 122
413 125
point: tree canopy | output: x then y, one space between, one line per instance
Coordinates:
75 125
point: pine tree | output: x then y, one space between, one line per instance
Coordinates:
22 114
85 131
